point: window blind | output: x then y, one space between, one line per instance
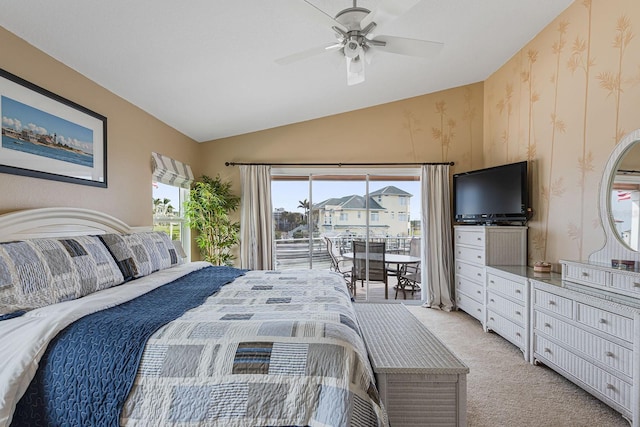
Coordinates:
171 172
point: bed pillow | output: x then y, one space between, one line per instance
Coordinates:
122 255
140 254
39 272
152 251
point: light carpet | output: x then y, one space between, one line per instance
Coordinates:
505 390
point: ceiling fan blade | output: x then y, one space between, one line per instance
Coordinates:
355 69
404 46
308 53
311 12
387 11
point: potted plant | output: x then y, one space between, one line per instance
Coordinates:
208 211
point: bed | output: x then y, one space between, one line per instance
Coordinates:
104 324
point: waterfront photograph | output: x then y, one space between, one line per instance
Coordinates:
33 131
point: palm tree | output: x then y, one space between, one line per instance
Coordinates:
162 207
304 204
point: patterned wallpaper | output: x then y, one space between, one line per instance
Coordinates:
563 102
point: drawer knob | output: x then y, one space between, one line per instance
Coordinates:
518 291
518 313
490 281
585 274
492 319
479 274
552 302
459 268
491 300
479 292
479 310
610 387
602 321
479 239
547 350
547 325
518 334
478 256
609 354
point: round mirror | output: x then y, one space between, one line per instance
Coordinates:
619 203
624 203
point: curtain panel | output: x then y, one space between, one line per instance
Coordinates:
171 172
436 218
256 225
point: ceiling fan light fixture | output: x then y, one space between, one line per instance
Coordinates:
352 48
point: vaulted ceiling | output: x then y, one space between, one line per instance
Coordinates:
207 67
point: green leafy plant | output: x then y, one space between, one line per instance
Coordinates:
208 211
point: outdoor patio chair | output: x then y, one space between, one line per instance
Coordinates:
409 280
377 265
339 263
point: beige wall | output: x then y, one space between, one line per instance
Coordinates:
563 102
443 126
131 137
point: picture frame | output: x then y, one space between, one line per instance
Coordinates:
50 137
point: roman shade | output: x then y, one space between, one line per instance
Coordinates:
171 172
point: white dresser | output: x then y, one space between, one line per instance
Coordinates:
476 247
591 337
508 305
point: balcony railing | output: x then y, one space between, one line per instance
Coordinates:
294 253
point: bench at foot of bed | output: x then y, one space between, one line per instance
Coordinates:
421 382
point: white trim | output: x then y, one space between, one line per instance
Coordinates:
58 222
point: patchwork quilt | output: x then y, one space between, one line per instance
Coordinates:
270 349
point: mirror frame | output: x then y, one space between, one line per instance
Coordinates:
614 247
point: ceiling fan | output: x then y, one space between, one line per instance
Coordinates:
354 28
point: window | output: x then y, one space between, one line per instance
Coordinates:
309 198
404 201
402 217
393 214
168 213
171 181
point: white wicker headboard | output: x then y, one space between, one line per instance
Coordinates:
59 222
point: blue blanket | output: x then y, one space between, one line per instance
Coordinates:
87 371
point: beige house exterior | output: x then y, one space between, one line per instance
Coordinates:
389 209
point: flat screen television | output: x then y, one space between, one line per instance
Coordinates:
491 196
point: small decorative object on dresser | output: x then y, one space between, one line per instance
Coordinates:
542 267
624 264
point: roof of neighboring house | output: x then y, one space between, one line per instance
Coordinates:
391 191
349 202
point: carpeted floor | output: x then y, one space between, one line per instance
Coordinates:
505 390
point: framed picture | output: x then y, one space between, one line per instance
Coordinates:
47 136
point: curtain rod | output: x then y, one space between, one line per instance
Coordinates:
338 164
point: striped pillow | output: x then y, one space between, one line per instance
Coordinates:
40 272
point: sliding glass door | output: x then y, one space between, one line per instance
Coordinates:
319 214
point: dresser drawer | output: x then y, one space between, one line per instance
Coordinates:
599 380
470 254
509 309
625 282
605 321
507 287
470 237
472 289
604 351
505 328
471 271
470 306
554 303
586 275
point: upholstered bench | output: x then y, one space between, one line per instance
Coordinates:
421 382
